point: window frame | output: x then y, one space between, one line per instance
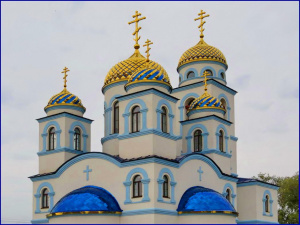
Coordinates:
267 205
189 74
139 184
52 139
228 194
116 118
164 120
221 140
137 117
77 139
45 199
199 139
209 71
165 187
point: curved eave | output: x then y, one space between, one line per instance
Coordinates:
199 109
209 212
198 60
113 82
46 109
148 81
83 213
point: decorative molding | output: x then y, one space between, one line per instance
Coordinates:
64 114
150 211
205 118
203 61
149 131
233 195
38 196
205 110
108 138
160 182
130 85
253 183
49 152
233 138
38 221
104 89
77 108
255 222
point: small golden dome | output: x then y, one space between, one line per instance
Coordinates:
206 101
124 69
202 52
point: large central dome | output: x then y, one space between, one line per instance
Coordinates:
202 52
124 69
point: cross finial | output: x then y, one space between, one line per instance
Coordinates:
148 43
202 16
65 70
205 74
137 28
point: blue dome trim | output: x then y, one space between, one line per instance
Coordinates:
207 100
60 101
144 75
53 101
71 99
153 75
88 198
213 102
201 199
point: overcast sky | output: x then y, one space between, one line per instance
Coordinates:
259 39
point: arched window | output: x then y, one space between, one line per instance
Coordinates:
166 187
224 106
221 141
223 75
228 194
267 203
77 142
45 198
187 104
210 73
52 139
136 117
198 141
116 118
137 187
164 120
190 75
179 79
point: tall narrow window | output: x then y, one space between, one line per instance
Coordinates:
190 75
224 106
77 142
267 203
164 119
45 199
228 195
136 117
166 187
187 106
221 141
52 139
198 141
116 118
137 186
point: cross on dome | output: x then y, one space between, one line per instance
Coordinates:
137 28
202 16
148 43
65 70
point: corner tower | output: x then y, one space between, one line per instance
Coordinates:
64 132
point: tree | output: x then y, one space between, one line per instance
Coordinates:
288 196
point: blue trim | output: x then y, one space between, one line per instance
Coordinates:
37 221
264 213
84 135
127 114
190 136
112 99
108 118
113 85
193 78
98 155
222 127
160 186
49 152
233 193
205 110
203 61
45 135
214 74
181 106
65 114
127 183
228 108
216 151
255 222
234 174
202 119
87 171
233 138
149 131
38 195
150 211
108 138
258 184
148 92
151 84
190 70
77 108
219 74
200 84
160 104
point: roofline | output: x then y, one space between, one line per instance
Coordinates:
63 113
123 96
185 121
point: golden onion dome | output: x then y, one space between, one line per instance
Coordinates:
202 52
124 69
64 98
206 101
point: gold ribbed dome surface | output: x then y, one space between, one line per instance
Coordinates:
206 101
202 52
124 69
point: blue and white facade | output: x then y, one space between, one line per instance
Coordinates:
182 148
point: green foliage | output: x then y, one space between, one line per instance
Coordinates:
288 196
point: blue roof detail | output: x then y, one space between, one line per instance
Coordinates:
88 198
203 199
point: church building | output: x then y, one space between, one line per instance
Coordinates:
169 153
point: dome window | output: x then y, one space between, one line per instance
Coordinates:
223 75
190 75
116 118
210 73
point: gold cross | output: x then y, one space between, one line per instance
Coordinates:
148 43
205 74
65 70
201 14
137 28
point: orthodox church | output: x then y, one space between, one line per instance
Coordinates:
169 153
